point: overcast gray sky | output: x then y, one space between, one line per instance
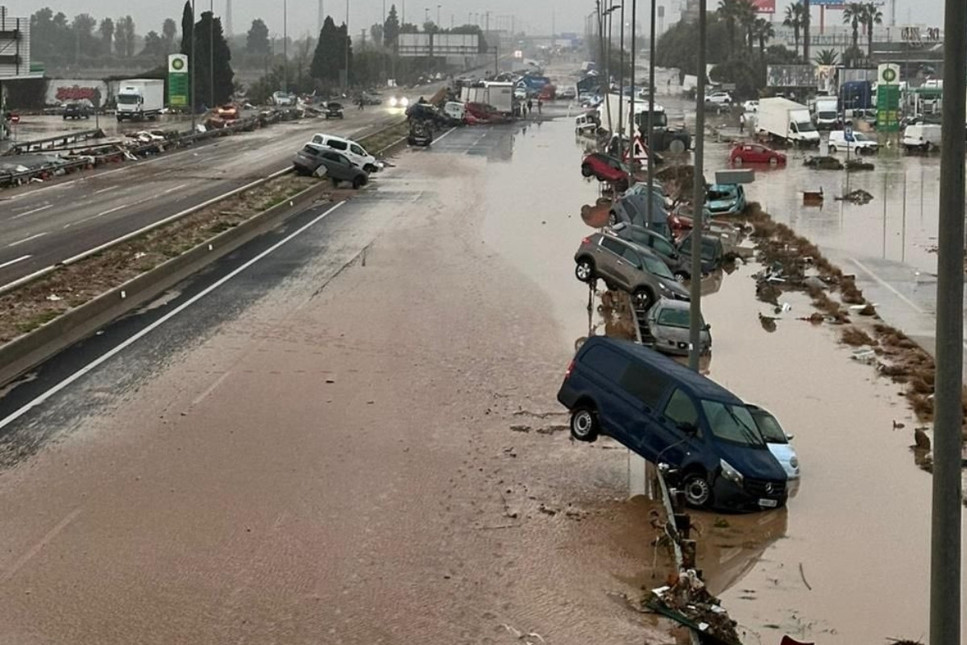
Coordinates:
534 15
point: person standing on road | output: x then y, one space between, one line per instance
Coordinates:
530 105
540 105
741 123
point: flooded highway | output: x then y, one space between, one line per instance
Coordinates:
357 437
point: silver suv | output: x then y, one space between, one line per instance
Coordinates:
626 266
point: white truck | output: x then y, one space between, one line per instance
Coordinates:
140 98
826 112
501 96
786 120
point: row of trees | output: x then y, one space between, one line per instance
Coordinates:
83 39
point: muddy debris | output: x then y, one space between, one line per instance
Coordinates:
823 163
687 601
679 181
858 196
859 164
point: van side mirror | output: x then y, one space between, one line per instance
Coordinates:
706 327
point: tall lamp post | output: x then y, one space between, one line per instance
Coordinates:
191 65
346 66
211 51
698 198
285 47
945 538
651 110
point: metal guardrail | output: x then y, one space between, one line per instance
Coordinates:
10 286
40 145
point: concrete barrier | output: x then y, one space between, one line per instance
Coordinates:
30 350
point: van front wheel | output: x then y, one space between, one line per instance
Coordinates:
698 492
584 424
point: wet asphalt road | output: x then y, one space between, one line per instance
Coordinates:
43 225
213 458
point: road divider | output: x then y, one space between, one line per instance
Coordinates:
50 331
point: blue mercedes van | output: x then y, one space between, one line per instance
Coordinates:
670 414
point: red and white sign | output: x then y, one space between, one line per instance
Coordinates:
639 149
764 6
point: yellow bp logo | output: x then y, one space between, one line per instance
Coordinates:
889 75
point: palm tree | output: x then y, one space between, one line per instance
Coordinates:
764 31
805 30
827 57
727 10
873 17
853 14
793 19
745 15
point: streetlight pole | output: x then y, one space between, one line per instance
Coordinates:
438 15
191 65
631 111
211 51
945 547
621 80
285 47
347 45
698 198
651 110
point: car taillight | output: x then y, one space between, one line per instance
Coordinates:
570 368
586 240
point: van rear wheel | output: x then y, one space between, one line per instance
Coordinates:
644 299
676 147
698 492
584 423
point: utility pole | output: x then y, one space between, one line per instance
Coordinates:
698 198
945 547
438 23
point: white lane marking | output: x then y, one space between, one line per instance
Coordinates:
445 134
884 283
20 259
100 360
111 210
211 388
104 190
35 549
171 190
32 211
26 239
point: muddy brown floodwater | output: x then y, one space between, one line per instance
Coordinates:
860 526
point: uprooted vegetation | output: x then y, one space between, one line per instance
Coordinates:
40 301
799 265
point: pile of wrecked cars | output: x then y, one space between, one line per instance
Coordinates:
720 451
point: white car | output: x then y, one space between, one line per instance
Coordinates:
921 137
750 107
860 144
719 99
356 154
779 445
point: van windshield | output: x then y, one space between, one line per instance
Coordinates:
732 423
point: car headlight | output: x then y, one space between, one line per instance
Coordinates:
730 473
404 101
663 288
794 462
392 101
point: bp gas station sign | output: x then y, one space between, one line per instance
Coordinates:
888 98
177 80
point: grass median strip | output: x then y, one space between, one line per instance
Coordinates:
40 301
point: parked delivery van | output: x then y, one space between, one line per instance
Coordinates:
670 414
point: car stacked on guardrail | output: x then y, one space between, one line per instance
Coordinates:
719 450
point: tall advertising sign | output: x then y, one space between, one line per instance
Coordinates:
177 80
888 98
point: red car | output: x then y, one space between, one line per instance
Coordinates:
607 168
753 153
